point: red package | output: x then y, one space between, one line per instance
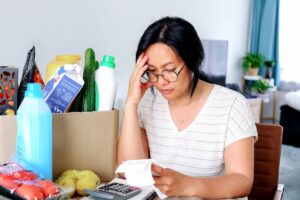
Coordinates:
16 182
30 192
49 188
9 184
24 176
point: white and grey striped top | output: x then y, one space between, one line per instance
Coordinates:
198 150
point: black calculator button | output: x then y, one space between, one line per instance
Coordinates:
115 191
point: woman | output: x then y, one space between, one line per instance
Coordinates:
203 134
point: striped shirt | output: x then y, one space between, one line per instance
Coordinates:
198 150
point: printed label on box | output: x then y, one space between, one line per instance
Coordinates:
63 94
62 89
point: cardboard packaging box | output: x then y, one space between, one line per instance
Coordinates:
63 87
86 140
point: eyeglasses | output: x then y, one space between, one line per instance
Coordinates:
167 75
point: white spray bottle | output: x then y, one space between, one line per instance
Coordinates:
106 84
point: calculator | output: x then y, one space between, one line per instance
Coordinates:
114 191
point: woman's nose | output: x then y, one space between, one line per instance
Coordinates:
161 80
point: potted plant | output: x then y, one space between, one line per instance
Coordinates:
261 86
252 62
269 64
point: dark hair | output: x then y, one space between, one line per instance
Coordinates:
182 37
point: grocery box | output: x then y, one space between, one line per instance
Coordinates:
81 140
8 90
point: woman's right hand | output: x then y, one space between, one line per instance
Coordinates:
137 89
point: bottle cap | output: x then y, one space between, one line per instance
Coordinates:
34 90
108 61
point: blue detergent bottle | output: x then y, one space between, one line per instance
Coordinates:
34 133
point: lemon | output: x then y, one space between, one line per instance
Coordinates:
70 172
73 174
89 174
85 183
67 182
9 112
78 180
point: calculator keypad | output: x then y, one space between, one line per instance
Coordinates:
119 189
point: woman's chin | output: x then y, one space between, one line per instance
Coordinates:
167 94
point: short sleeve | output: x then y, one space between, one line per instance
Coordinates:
240 122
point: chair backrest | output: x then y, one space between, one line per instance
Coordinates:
266 161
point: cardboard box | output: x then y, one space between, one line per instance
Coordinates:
86 140
63 87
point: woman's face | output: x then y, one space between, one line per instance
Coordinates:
161 57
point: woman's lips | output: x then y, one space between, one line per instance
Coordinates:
166 91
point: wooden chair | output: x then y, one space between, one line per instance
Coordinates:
266 163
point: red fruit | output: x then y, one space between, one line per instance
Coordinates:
6 176
7 87
3 102
9 184
8 96
30 192
48 187
24 176
10 103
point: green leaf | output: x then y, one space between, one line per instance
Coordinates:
252 60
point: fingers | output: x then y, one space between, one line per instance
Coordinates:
163 188
140 66
157 173
157 169
141 70
160 180
122 175
142 60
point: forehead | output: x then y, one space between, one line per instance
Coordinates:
160 54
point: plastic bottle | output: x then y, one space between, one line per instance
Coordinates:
106 85
61 60
34 132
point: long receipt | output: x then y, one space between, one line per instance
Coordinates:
138 173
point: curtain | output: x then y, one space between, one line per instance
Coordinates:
264 32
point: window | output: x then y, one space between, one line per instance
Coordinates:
289 40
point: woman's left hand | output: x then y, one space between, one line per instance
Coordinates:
170 182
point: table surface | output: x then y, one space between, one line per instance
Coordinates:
145 191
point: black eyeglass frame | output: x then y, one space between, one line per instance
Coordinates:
161 74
